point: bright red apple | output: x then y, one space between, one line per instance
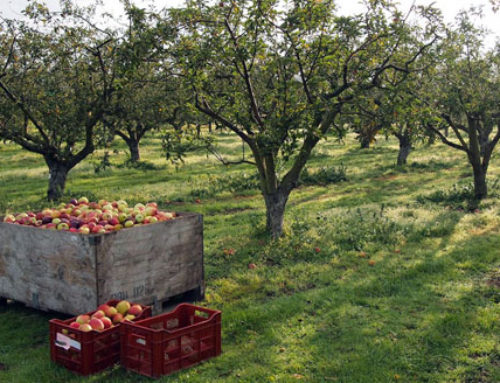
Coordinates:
96 324
106 322
98 314
135 310
74 325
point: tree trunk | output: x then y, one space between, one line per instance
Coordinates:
480 187
57 179
275 211
404 149
198 130
474 154
133 146
365 142
210 127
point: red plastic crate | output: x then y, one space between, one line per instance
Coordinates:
88 352
173 341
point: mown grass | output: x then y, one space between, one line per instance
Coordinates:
375 281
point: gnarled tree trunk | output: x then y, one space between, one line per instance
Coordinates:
480 186
133 146
404 148
58 173
475 154
364 142
275 211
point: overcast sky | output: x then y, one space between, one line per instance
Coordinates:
13 8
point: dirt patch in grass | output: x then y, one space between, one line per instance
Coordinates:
3 367
494 281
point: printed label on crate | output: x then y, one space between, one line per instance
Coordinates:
66 342
141 341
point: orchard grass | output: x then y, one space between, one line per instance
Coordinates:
372 282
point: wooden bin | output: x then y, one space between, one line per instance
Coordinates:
74 273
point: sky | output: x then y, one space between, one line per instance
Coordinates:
13 8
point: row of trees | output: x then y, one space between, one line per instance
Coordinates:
281 75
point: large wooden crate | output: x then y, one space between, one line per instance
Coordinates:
74 273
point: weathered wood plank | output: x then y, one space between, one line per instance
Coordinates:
153 262
47 269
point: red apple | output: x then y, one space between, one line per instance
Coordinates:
74 325
104 308
118 318
135 310
96 324
96 228
106 322
98 314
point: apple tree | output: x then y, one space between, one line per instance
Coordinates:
147 95
464 93
55 85
279 73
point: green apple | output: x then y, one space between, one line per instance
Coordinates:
128 224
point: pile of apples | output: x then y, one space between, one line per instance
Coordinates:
106 317
82 216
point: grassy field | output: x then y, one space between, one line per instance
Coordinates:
385 277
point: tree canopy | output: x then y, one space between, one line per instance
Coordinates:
278 74
56 81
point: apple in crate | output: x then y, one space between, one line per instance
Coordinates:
75 325
135 310
104 308
99 314
118 318
85 327
111 312
96 324
106 322
123 307
82 319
